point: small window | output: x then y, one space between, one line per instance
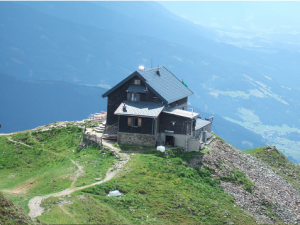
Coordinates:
138 82
134 122
134 97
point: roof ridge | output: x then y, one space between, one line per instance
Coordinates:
152 68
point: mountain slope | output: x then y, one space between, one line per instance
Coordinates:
254 185
11 213
279 163
220 184
153 20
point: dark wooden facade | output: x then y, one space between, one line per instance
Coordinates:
161 123
146 128
181 124
119 95
180 104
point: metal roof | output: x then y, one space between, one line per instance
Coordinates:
137 88
180 112
141 109
165 85
201 123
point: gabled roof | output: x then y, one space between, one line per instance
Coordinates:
141 109
180 112
163 84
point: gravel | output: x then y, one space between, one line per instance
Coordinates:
271 195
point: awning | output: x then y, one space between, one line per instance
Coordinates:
180 112
137 88
201 123
140 109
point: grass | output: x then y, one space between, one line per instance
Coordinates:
134 148
158 188
236 176
44 166
11 213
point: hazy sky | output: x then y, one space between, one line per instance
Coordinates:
273 21
211 13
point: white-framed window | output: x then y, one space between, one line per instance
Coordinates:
134 97
134 122
136 81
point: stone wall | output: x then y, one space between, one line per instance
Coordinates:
136 139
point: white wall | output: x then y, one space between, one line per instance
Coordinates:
181 141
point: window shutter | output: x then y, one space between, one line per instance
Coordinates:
138 97
129 121
128 96
139 122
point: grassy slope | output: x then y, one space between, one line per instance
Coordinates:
45 167
11 213
157 188
279 163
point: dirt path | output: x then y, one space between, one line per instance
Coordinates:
78 173
34 203
9 138
66 212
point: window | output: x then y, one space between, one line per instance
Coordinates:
134 97
134 122
138 82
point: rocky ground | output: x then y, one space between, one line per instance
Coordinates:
272 200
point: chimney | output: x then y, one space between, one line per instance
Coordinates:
157 72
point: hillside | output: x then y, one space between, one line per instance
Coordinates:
46 169
279 163
11 213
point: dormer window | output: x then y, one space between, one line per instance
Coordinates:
134 97
138 82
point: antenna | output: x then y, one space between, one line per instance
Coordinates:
151 63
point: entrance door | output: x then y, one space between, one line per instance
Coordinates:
170 140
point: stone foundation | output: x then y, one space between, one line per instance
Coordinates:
136 139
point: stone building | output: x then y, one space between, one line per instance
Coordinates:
149 107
